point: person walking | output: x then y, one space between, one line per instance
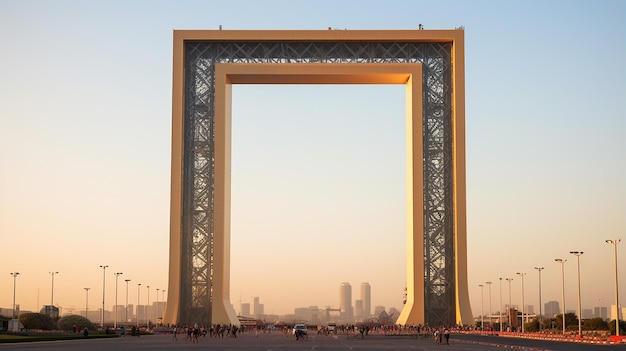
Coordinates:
446 334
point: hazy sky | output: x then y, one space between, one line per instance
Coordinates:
318 171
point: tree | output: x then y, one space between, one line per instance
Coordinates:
532 326
595 324
622 327
74 320
570 320
36 321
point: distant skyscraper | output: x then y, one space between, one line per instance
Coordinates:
366 297
600 312
614 310
345 301
130 313
256 308
378 310
245 309
358 308
551 308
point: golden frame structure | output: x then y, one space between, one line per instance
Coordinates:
227 74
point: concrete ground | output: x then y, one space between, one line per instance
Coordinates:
280 342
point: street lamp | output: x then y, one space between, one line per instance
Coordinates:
163 299
500 308
126 306
86 301
14 274
539 269
614 243
52 294
580 323
522 275
138 292
104 269
482 315
489 285
117 275
508 312
562 262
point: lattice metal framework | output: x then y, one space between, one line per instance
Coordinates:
198 160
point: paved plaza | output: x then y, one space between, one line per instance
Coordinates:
280 342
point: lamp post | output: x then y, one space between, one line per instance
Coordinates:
14 274
138 293
104 269
126 306
509 309
163 299
500 308
539 269
147 305
52 293
580 324
522 275
86 301
117 275
562 262
490 325
614 243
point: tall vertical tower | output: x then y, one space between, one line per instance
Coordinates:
345 301
366 297
245 309
256 307
428 63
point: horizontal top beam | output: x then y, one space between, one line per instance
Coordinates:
318 73
443 35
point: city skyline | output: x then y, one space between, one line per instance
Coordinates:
85 152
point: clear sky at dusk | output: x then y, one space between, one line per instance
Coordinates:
318 171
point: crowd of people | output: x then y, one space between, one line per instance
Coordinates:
193 333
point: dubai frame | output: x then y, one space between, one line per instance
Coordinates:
430 63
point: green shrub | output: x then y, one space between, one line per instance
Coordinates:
36 321
74 320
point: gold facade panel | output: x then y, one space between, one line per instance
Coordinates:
319 73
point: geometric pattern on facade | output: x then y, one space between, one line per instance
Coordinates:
197 232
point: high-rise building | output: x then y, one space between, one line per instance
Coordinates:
614 313
551 309
245 309
366 297
600 312
358 308
345 301
119 312
256 309
129 313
